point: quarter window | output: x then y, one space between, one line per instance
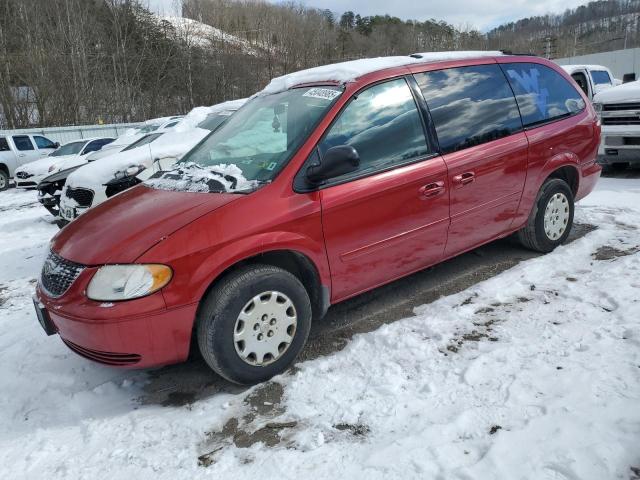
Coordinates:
383 124
469 105
543 94
4 145
23 143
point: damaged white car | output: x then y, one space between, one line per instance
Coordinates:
157 151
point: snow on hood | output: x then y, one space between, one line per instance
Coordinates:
172 143
627 92
191 177
41 167
349 71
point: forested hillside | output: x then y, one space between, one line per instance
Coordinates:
68 62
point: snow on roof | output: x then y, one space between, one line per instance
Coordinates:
199 114
572 68
202 35
349 71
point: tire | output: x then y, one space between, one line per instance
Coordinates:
4 180
219 321
533 235
61 223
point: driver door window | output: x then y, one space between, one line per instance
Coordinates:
383 124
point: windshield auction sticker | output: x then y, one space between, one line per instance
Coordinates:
324 93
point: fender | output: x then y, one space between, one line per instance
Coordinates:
536 177
7 159
196 273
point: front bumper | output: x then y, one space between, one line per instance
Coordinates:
619 144
138 333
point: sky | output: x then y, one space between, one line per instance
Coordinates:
481 14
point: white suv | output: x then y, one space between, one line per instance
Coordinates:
19 149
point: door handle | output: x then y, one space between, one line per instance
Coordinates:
21 155
464 178
431 190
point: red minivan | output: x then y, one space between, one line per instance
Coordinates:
329 183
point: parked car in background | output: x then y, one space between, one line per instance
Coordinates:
50 187
619 111
20 149
158 150
329 183
69 154
134 134
592 79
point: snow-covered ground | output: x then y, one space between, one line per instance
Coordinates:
534 373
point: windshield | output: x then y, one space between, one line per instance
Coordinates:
148 128
143 141
214 120
600 77
262 136
68 149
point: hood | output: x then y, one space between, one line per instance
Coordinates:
41 167
627 92
126 226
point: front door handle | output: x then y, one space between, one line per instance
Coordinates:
464 178
431 190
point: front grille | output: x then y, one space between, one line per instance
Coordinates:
108 358
621 120
58 274
23 175
82 196
614 107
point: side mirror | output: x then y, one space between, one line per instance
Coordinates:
56 144
338 160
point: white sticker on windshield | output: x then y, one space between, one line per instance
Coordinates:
324 93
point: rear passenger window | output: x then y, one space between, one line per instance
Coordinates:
469 105
4 145
43 142
383 124
543 94
23 142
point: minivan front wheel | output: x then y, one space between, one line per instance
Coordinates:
253 324
551 217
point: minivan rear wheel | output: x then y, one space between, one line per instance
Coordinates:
551 217
253 324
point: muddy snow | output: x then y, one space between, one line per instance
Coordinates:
531 374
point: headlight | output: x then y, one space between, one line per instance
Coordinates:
130 171
598 108
125 282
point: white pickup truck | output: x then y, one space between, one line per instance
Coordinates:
619 111
18 149
592 79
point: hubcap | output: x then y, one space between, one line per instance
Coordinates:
265 328
556 216
3 182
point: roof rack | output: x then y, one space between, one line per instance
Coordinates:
524 54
